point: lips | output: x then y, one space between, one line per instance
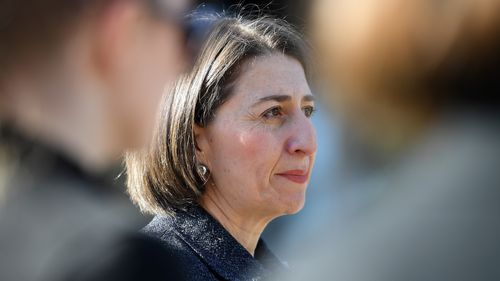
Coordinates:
297 176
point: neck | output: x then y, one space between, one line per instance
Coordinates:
245 227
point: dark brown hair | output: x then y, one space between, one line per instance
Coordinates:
166 176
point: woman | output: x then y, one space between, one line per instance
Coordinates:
233 151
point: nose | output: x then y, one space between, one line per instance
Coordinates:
302 138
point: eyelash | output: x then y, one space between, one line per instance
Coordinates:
308 112
273 110
311 110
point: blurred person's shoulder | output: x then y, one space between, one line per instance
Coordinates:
127 257
58 222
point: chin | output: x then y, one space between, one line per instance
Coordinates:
294 210
293 204
287 201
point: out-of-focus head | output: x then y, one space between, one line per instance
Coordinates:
243 112
386 56
115 54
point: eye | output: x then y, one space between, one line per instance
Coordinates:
274 112
309 111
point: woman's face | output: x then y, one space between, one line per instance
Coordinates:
260 147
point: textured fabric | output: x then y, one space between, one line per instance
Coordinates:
207 251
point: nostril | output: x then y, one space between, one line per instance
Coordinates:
302 147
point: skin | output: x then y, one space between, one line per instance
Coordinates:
97 95
258 136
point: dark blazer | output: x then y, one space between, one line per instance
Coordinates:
207 251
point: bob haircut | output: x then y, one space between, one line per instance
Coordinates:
165 177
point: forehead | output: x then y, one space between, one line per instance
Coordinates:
270 75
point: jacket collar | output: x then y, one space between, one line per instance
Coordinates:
219 250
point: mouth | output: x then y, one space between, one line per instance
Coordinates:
297 176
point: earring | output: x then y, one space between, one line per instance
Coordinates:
202 170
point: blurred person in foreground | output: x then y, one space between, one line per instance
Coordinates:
416 81
79 84
233 150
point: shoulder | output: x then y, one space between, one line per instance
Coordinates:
162 229
132 257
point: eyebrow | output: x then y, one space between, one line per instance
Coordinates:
283 98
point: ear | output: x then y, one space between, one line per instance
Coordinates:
201 142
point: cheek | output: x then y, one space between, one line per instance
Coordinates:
253 144
246 156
